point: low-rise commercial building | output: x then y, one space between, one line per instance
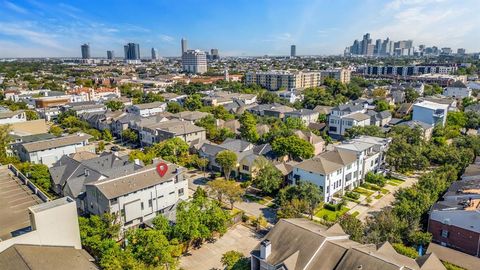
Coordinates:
283 79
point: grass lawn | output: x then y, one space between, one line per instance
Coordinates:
392 183
385 191
355 214
378 196
396 181
331 215
363 191
350 199
256 199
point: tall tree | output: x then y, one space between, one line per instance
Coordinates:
227 160
293 146
265 176
248 127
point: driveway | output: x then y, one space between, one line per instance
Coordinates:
207 257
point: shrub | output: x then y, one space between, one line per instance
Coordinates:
404 250
352 195
376 179
334 207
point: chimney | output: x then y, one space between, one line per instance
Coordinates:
87 172
265 249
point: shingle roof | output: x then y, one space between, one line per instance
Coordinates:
146 177
55 142
328 162
37 257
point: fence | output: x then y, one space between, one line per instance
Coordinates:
29 183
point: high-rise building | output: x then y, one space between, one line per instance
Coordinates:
214 54
378 47
461 51
184 46
403 48
366 41
154 54
194 61
293 51
132 51
110 55
85 51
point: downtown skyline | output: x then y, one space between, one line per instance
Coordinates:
29 28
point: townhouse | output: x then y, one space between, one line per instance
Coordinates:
430 113
49 151
12 117
344 117
157 132
457 90
307 116
148 109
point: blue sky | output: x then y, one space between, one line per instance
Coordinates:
36 28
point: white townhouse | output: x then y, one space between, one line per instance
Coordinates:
458 90
140 196
148 109
184 130
334 171
49 151
370 152
430 112
307 116
344 117
12 117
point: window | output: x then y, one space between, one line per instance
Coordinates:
339 172
444 233
349 167
150 203
141 205
245 168
114 200
180 192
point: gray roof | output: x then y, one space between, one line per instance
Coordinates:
358 116
302 112
236 145
348 108
304 244
416 123
4 115
55 142
328 162
458 84
151 105
70 174
37 257
143 178
176 127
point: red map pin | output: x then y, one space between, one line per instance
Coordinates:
162 168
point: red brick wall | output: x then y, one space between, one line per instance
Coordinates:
458 238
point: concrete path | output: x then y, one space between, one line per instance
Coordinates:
207 257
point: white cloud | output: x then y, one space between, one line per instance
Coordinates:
166 38
30 33
430 22
15 8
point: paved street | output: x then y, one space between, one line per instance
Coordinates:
239 238
196 179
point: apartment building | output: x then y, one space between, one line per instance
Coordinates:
194 61
283 79
139 197
430 112
342 75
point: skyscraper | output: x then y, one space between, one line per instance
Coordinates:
132 51
154 54
85 51
293 51
184 46
214 54
110 55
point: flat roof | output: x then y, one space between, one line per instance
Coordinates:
15 199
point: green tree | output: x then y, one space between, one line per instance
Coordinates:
227 160
56 130
38 174
107 135
248 127
174 107
266 176
171 149
5 139
381 105
130 135
31 115
193 102
234 260
356 131
293 146
115 105
411 95
304 197
353 227
294 123
150 247
101 146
